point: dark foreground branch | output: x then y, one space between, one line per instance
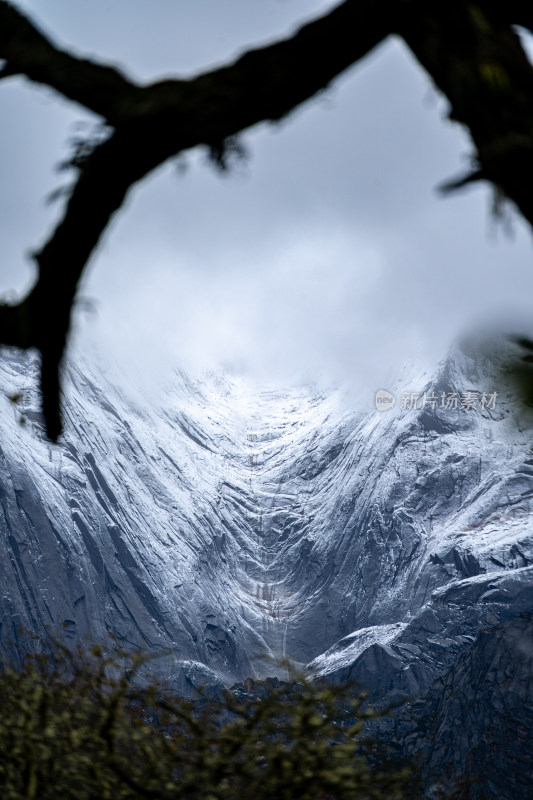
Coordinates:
152 124
476 59
469 49
27 51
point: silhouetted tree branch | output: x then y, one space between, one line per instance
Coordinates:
476 59
469 49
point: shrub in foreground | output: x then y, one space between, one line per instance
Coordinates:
75 726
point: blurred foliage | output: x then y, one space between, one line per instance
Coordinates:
519 372
75 725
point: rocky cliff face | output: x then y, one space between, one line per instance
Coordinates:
477 719
241 529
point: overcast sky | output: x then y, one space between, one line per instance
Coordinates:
327 254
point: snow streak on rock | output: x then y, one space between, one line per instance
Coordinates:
232 531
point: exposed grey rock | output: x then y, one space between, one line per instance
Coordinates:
475 721
228 531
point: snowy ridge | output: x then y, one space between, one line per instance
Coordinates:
344 653
239 529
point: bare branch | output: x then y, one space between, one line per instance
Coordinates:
268 83
476 59
460 183
152 124
27 51
468 48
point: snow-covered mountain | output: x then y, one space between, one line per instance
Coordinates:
243 529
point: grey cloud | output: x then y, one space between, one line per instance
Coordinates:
328 252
